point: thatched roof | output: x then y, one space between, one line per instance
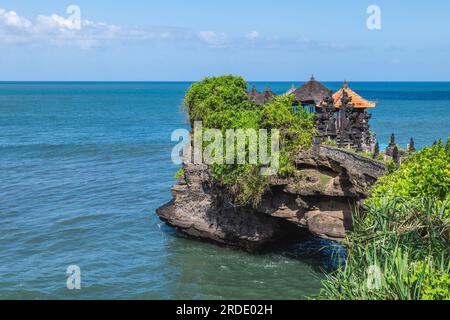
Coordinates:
312 92
253 93
261 98
356 102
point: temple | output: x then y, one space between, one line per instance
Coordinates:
311 94
348 113
341 116
260 98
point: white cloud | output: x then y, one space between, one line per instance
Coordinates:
213 39
12 20
61 31
56 22
252 35
57 30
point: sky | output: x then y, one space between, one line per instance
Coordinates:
179 40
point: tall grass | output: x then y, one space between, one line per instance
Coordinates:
397 251
399 247
421 223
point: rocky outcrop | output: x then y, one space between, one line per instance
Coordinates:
204 210
329 185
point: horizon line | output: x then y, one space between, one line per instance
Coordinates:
192 81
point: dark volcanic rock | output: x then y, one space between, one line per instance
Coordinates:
330 184
203 210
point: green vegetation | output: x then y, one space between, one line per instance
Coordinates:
330 142
426 174
222 103
324 180
403 235
365 154
399 244
179 174
380 157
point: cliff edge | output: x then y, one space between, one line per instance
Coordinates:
331 183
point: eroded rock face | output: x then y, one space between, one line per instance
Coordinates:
203 210
330 184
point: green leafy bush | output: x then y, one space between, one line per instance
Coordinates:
404 231
424 174
432 278
222 103
217 101
179 174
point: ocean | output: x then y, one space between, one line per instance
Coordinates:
83 167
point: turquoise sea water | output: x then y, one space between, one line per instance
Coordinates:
83 166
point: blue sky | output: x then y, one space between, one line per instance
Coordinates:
260 40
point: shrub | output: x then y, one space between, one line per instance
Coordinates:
404 232
374 274
217 100
179 174
222 103
424 174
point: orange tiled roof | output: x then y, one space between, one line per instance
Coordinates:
357 101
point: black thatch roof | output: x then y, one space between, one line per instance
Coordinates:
253 93
312 92
261 98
